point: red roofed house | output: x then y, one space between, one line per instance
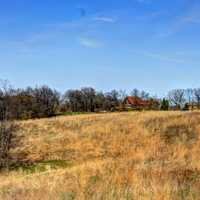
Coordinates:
137 103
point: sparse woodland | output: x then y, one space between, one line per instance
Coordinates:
41 102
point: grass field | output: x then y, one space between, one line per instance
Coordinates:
121 156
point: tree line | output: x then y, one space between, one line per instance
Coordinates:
183 98
39 102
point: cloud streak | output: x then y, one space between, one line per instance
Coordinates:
105 19
160 57
90 42
192 16
143 1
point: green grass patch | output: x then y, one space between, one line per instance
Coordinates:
75 113
68 196
45 165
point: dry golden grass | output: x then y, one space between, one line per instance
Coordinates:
142 156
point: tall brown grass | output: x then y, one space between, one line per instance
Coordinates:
142 156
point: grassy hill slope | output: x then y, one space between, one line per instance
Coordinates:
150 155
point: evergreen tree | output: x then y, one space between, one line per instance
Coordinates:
165 104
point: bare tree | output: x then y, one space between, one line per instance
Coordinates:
46 101
7 125
74 99
135 92
99 101
142 94
197 96
88 98
122 95
189 95
177 98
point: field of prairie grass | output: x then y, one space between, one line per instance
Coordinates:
120 156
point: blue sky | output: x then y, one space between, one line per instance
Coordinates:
148 44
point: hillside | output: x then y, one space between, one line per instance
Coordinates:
141 155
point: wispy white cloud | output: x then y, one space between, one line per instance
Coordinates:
192 16
143 1
51 33
90 42
191 19
161 57
105 19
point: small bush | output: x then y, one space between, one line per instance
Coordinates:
6 134
174 129
68 196
45 165
179 133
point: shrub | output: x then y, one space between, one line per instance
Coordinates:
6 134
179 133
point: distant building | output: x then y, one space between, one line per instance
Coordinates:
187 106
137 103
193 106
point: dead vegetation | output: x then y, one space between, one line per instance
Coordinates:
147 155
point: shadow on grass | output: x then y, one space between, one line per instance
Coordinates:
74 113
41 166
